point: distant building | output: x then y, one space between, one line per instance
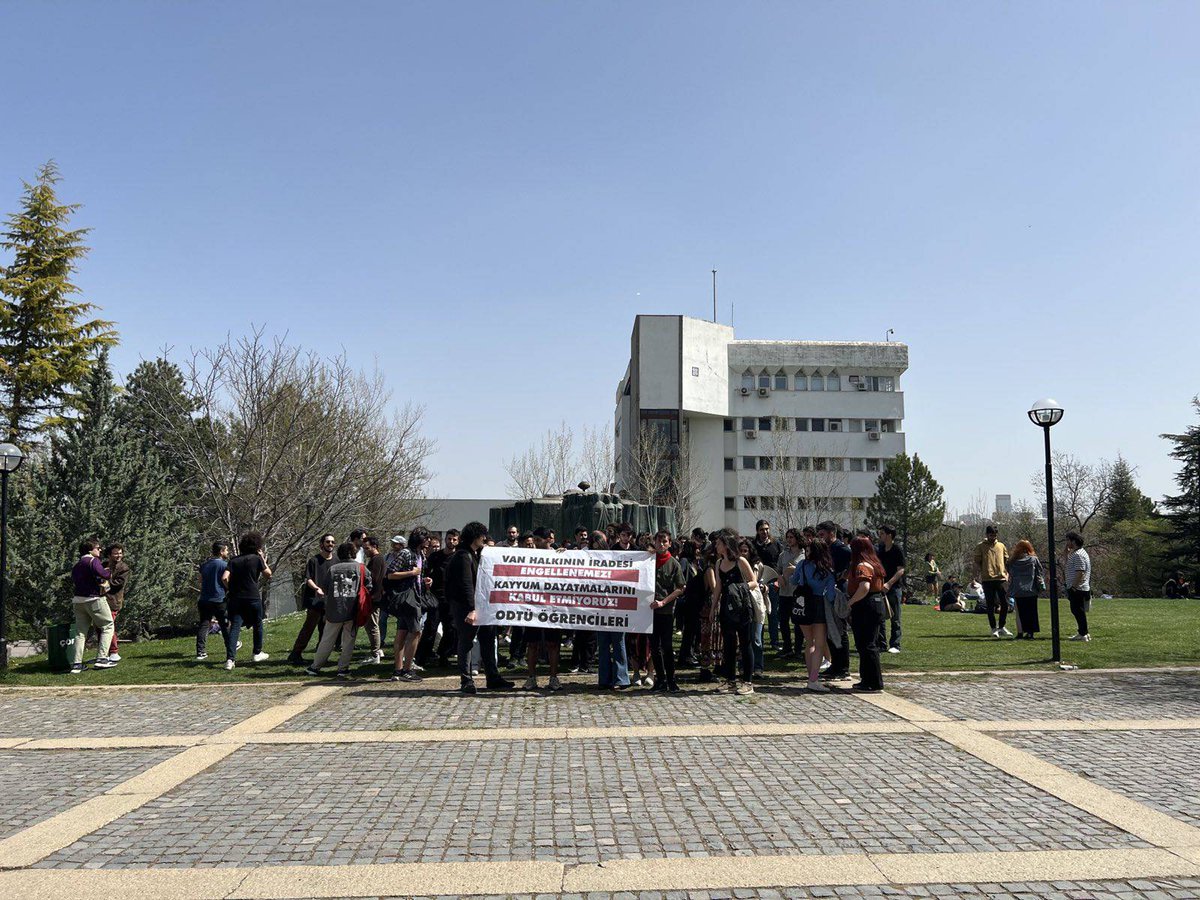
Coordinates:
1003 504
442 515
789 431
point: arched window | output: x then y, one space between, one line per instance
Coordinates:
748 379
801 381
781 380
817 382
833 381
764 379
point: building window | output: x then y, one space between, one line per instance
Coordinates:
888 425
748 423
871 424
785 463
764 424
766 502
729 464
836 464
729 502
783 502
817 382
801 503
764 380
818 424
748 380
856 465
833 382
765 463
802 464
749 503
802 424
886 383
781 381
695 371
835 424
819 464
801 381
728 424
837 503
749 462
856 424
872 465
879 382
781 423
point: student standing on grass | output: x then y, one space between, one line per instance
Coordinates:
214 573
792 555
1079 584
244 597
312 598
89 578
346 580
377 569
1025 584
668 586
991 571
114 561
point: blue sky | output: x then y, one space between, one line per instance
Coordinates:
480 197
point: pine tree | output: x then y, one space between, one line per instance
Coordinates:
908 497
1125 502
1182 511
47 340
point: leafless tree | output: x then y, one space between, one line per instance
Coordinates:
1081 490
548 467
596 457
661 473
288 443
802 487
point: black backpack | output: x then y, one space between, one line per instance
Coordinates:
737 606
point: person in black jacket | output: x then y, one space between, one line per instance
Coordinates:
461 573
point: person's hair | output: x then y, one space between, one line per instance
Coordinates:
471 532
218 546
250 542
87 546
797 534
729 540
417 538
817 553
453 532
597 540
700 534
751 554
541 532
625 528
863 551
115 545
345 551
579 528
889 530
513 528
662 532
1075 538
688 550
810 532
928 557
356 535
1022 549
760 523
371 541
525 536
328 534
991 529
829 526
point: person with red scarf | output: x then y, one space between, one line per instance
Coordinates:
868 611
668 587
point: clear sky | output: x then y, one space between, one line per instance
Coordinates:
481 196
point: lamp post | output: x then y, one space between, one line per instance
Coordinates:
1046 414
11 458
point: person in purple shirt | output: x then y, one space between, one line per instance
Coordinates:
91 609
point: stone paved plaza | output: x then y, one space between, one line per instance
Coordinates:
1064 785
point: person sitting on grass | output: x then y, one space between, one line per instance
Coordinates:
950 601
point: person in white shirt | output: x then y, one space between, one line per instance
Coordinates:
1079 583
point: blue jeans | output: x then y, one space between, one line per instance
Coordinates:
772 616
758 646
612 663
244 612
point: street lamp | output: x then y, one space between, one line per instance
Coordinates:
11 458
1046 414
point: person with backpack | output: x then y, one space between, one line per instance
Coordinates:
814 579
868 611
731 582
348 586
407 589
1025 584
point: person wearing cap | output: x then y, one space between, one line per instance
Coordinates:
399 542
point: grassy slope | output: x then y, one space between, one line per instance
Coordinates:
1125 633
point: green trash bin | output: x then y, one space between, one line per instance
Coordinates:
59 645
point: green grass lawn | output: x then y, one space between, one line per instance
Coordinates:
1124 633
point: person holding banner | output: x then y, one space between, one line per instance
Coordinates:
735 581
668 586
462 572
612 666
536 638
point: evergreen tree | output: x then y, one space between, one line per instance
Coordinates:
1182 510
47 340
908 497
1125 502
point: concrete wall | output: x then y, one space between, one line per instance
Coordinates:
657 349
705 364
707 461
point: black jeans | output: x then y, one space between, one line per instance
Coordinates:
429 633
244 612
449 643
786 606
466 637
1079 601
209 610
583 649
661 651
738 639
995 595
839 657
688 617
866 618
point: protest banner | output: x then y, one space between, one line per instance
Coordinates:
577 590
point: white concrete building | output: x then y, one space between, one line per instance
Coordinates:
790 431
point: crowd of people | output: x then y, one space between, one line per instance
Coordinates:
723 598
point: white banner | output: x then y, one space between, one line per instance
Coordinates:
577 590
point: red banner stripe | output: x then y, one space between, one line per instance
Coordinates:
584 601
581 573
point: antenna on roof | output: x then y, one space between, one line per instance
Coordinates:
714 271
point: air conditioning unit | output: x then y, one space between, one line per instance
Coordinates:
860 386
872 435
745 392
751 433
762 392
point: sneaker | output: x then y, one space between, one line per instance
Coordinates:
893 649
858 688
501 684
474 671
531 683
409 676
1087 638
996 633
660 687
114 657
744 688
200 657
555 684
648 682
345 676
704 676
727 687
375 658
103 662
816 687
239 646
76 669
672 687
293 659
1004 632
228 665
417 668
311 671
260 657
1079 637
395 676
576 671
468 687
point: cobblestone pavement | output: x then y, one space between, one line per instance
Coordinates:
593 802
35 786
127 712
1076 695
385 708
1158 768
